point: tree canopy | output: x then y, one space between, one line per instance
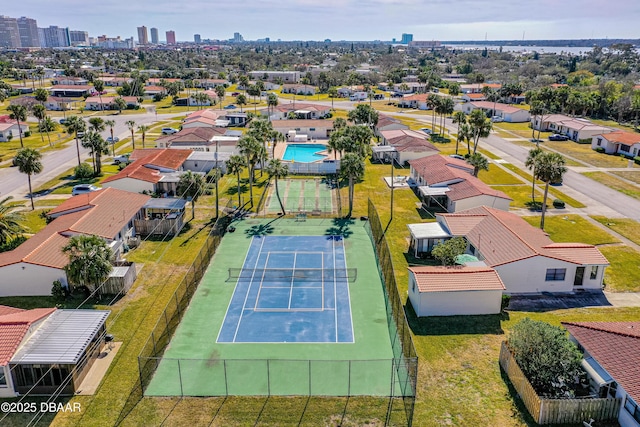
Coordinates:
447 252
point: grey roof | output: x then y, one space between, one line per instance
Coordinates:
383 148
165 203
63 337
209 156
428 230
119 271
425 190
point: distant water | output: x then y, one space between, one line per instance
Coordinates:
540 49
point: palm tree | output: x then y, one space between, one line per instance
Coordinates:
337 143
143 129
339 123
550 167
530 163
272 101
120 104
29 162
351 167
241 100
96 124
432 102
333 93
75 125
19 114
48 125
89 261
131 124
479 162
220 92
235 165
480 127
465 134
277 170
111 124
10 226
41 95
98 85
251 149
244 82
39 112
446 107
460 118
191 186
97 146
275 138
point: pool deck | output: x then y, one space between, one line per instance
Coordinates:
282 147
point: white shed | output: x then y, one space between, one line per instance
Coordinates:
454 291
424 236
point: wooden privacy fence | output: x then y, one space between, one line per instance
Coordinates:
556 411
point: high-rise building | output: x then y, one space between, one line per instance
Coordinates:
143 37
54 36
171 37
406 38
197 39
9 33
78 38
28 29
237 37
154 36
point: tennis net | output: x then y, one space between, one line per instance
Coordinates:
298 274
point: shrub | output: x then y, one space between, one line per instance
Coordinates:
58 291
547 358
83 171
506 298
599 149
27 134
637 160
558 204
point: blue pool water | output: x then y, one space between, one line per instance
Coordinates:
304 153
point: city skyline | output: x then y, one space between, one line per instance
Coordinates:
334 19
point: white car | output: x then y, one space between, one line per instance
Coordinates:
169 131
84 189
496 119
121 159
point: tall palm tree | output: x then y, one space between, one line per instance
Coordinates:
220 90
97 146
29 162
277 170
351 167
235 165
143 129
432 102
10 221
272 101
111 124
465 134
191 186
550 167
39 112
460 118
19 114
251 149
530 163
75 125
41 95
98 85
89 261
96 124
333 93
131 124
446 107
479 162
480 127
241 100
276 137
120 104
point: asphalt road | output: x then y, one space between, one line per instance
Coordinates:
13 183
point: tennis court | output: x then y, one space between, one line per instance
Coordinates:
302 195
231 340
290 289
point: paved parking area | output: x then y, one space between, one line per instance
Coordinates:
547 301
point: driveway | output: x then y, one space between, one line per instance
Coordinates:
548 301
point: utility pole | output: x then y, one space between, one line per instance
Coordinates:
217 178
392 185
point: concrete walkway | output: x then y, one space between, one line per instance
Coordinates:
99 368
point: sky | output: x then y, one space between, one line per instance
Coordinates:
342 19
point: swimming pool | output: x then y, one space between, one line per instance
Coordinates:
304 153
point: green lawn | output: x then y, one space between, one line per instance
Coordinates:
521 194
623 226
630 175
553 191
615 183
623 275
572 229
497 175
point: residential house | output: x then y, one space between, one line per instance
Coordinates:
199 138
388 123
204 113
618 142
448 184
506 112
403 145
151 170
162 216
47 350
453 291
116 81
237 119
314 129
407 88
299 89
204 161
58 103
72 91
300 110
193 101
478 87
150 91
576 129
473 97
275 76
526 259
32 267
346 91
611 359
210 83
155 81
94 103
418 101
69 81
9 129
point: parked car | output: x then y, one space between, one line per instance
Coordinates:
397 95
235 93
84 189
558 137
378 96
456 156
229 107
63 121
80 134
169 131
112 140
496 119
121 159
426 130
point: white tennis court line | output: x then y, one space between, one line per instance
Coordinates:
335 294
248 289
293 274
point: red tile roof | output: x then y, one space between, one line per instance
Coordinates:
487 105
503 237
199 134
5 309
209 114
13 328
615 346
74 87
164 158
622 137
302 123
478 96
408 140
457 278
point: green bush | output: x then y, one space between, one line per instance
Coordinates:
58 291
83 171
558 204
599 149
506 298
637 160
27 134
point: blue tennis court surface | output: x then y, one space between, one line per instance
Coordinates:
290 289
